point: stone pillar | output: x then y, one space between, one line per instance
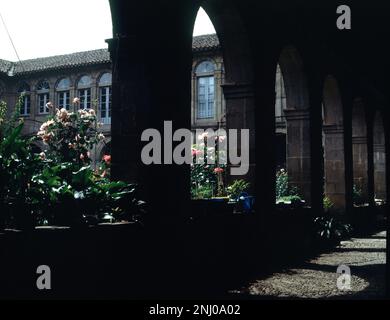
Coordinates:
239 101
360 159
334 165
380 169
360 164
143 99
379 150
298 151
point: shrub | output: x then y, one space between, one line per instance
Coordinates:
330 230
357 195
59 185
236 188
327 203
284 192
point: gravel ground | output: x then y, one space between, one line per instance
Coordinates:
317 278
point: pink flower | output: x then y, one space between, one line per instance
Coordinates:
203 136
196 153
221 138
218 170
63 114
76 100
47 137
107 159
49 105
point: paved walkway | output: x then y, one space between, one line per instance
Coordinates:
317 278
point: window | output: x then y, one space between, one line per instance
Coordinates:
105 93
24 93
64 100
85 98
205 90
43 96
63 93
84 92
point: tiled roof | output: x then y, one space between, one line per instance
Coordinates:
5 66
205 42
63 61
200 43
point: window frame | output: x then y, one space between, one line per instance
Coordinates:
85 97
105 90
84 93
45 94
205 75
24 92
64 97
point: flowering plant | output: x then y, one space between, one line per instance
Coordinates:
59 185
71 135
207 174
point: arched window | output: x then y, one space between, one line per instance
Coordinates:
63 93
105 92
84 92
43 89
25 99
205 90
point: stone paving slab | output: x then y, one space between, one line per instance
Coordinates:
317 278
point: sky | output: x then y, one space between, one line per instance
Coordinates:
43 28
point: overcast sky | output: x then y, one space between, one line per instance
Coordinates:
42 28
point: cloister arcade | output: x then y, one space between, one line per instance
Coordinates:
337 131
335 114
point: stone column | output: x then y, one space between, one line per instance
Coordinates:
143 99
239 101
380 170
360 164
334 165
298 151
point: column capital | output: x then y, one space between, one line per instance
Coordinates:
379 148
297 114
333 129
236 90
359 140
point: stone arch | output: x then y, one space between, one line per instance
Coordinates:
238 91
60 79
84 76
233 39
333 144
101 74
379 157
202 60
295 82
142 85
297 121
